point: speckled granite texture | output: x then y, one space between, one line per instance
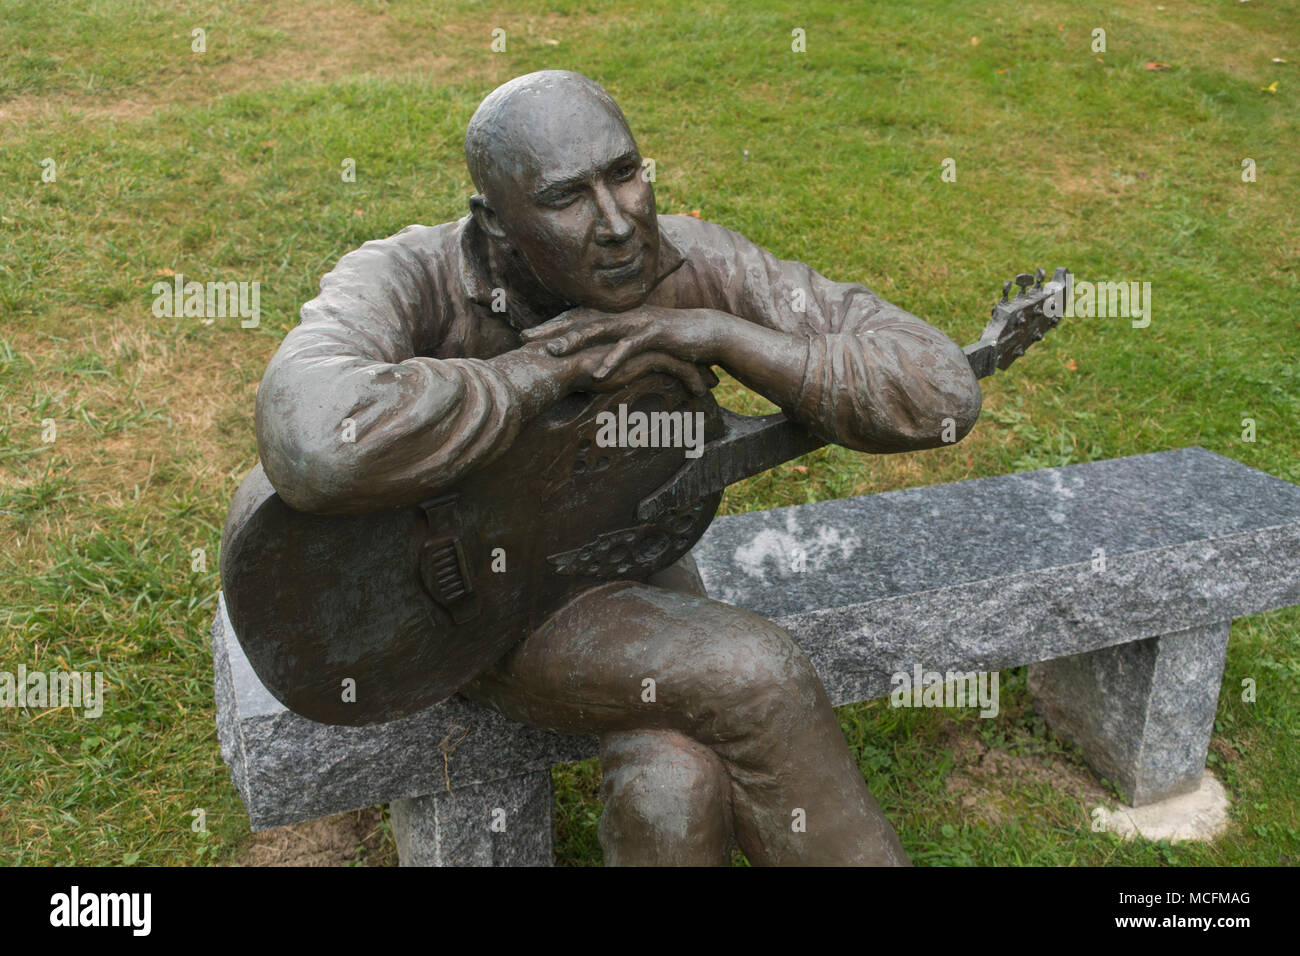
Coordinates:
1142 712
504 822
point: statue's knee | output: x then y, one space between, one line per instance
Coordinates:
770 680
664 795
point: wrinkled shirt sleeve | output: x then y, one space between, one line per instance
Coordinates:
350 416
876 379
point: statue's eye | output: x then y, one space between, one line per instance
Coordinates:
560 200
625 172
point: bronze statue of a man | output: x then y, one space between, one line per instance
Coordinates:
440 343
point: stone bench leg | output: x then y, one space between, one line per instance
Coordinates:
499 823
1142 712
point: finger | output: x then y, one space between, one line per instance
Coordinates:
601 328
577 339
687 372
624 374
555 326
559 346
621 353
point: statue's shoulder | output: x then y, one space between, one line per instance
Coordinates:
693 235
430 248
679 226
428 239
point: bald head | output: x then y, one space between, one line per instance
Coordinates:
561 194
534 122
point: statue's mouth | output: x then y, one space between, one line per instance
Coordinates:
618 271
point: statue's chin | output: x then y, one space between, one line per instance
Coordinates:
610 304
620 298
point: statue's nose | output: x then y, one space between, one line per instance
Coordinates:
614 226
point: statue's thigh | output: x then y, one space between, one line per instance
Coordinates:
635 656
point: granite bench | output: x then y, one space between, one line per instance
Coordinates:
1115 581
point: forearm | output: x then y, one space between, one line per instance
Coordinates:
865 375
894 385
770 362
537 378
869 375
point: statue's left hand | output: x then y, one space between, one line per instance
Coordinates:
693 335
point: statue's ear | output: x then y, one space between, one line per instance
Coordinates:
485 217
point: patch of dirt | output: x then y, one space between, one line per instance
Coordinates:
185 390
1210 41
348 839
318 42
1074 178
984 780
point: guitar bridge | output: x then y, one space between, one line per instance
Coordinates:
444 569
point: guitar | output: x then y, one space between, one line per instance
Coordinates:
361 619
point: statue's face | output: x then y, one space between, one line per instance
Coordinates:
575 205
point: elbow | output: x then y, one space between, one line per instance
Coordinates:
967 401
948 404
306 491
312 466
910 389
953 411
306 479
930 414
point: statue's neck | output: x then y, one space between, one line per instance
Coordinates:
518 279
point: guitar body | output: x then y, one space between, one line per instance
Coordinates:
409 605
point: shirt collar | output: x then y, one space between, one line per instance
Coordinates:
477 276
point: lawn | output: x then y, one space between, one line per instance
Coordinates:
128 157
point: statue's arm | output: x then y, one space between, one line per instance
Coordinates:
835 356
351 414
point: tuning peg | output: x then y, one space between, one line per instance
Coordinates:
1006 288
1024 280
1039 276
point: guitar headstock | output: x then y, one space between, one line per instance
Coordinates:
1018 321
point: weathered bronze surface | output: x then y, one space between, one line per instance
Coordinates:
441 508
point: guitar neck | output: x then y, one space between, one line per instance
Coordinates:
750 446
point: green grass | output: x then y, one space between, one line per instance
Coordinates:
226 165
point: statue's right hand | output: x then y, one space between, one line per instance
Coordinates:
698 379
